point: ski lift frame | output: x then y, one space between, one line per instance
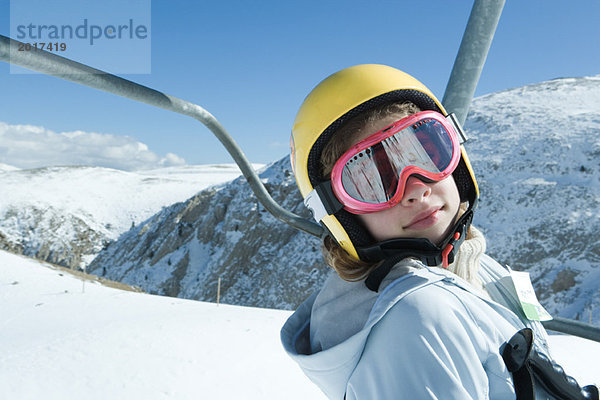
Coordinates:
464 77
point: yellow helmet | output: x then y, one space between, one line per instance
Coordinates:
333 102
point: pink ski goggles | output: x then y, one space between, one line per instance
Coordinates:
371 176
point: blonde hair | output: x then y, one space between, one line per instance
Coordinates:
346 266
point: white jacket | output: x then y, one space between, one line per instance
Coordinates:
427 335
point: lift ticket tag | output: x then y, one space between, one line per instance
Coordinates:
529 303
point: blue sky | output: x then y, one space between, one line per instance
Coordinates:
251 63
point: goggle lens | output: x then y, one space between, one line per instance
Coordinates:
374 174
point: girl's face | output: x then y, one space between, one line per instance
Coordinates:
427 210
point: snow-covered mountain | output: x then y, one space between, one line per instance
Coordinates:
66 215
222 233
536 153
6 167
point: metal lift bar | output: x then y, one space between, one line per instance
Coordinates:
471 56
572 327
466 71
52 64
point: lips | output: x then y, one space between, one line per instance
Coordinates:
425 219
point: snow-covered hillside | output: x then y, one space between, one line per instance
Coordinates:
535 151
222 233
65 339
65 215
6 167
62 340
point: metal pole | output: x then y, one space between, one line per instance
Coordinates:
218 290
574 328
466 71
60 67
471 56
51 64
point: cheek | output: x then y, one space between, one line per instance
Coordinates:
387 224
383 225
370 221
450 193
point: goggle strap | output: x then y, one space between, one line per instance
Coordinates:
377 276
321 201
453 120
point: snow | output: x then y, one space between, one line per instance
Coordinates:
7 168
535 153
109 200
65 338
66 215
579 357
537 181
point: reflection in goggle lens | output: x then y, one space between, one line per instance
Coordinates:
372 174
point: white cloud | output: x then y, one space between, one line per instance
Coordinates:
171 160
28 146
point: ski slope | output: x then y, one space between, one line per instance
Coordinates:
64 338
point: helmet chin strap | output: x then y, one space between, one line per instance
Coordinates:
394 250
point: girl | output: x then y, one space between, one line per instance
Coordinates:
416 309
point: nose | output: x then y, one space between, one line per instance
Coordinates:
415 191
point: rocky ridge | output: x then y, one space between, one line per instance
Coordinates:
535 151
